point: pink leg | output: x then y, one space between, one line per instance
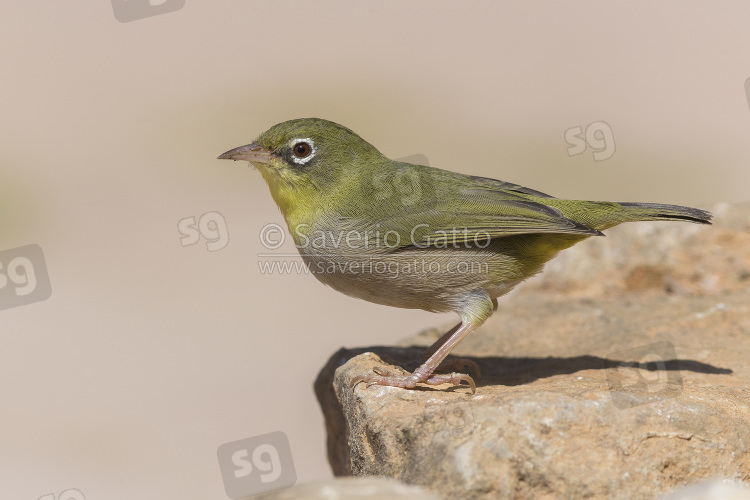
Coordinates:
424 374
452 364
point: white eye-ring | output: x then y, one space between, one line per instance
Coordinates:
303 150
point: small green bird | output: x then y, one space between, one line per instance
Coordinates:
417 237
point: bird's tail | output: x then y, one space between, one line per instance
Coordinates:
658 211
602 215
633 212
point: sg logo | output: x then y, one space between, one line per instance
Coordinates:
23 277
211 226
256 465
646 379
132 10
406 186
598 136
69 494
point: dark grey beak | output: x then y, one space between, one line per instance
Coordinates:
250 152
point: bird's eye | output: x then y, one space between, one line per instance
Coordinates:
302 149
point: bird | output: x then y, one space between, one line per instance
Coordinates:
417 237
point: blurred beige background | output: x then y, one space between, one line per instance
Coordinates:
149 355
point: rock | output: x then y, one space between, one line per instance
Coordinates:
620 373
371 488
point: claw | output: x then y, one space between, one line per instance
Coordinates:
357 380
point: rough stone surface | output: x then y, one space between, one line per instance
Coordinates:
621 372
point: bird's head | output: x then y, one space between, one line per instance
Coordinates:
307 154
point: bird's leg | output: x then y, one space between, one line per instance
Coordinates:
450 364
474 314
442 340
424 373
454 363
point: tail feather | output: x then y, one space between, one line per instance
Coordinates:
658 211
601 215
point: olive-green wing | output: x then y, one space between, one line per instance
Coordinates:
423 206
474 222
466 216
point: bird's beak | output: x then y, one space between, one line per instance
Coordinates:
250 152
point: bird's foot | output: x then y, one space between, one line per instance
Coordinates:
450 364
420 375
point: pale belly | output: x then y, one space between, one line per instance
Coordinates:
430 279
